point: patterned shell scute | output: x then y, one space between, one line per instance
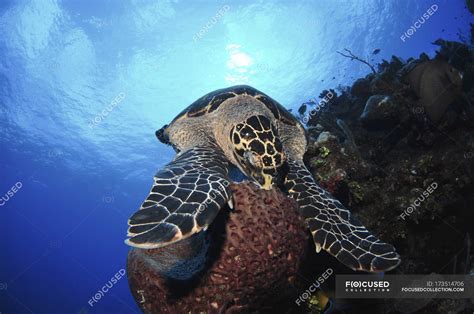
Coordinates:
211 102
279 112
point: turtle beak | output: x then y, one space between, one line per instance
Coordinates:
268 181
265 181
162 135
268 177
276 178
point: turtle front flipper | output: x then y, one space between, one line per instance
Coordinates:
334 229
185 198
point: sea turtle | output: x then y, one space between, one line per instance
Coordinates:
242 128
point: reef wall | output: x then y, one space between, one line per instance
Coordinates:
397 147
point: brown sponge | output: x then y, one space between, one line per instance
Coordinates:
247 260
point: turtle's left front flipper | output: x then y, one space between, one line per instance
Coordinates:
333 227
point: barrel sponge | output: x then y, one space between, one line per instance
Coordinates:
248 260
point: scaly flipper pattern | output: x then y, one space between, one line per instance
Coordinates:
334 229
185 198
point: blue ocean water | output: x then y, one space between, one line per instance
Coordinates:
85 84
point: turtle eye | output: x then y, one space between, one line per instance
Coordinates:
247 133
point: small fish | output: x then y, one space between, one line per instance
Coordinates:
302 109
376 51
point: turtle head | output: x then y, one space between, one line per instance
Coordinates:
163 136
259 151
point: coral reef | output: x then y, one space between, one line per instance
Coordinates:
412 124
247 260
380 112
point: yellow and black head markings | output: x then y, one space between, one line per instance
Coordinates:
267 143
258 149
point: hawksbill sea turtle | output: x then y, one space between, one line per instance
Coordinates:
242 128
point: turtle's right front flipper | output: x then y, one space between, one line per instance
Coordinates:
334 229
185 198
